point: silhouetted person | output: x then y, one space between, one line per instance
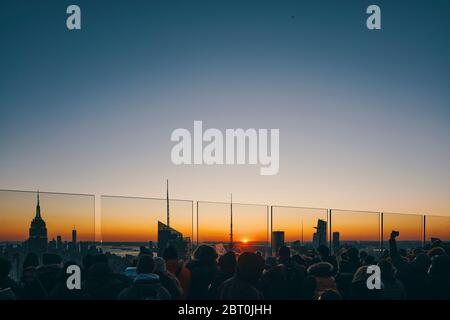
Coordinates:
146 285
31 260
61 291
243 285
270 262
283 281
320 279
359 289
176 267
353 259
101 283
439 277
8 287
144 250
227 268
284 255
203 270
49 271
325 256
393 288
168 280
31 287
412 274
86 263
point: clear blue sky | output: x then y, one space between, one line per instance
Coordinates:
363 115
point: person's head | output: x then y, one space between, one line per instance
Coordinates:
228 261
51 258
421 262
321 269
330 295
29 274
323 251
363 255
369 260
436 251
345 266
440 267
403 252
170 253
387 270
249 267
299 260
31 260
160 265
284 252
144 250
360 275
87 261
99 270
271 262
99 258
353 254
5 267
205 254
145 264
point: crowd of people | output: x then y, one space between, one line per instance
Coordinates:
422 273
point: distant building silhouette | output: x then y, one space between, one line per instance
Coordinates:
37 241
320 236
231 244
74 236
336 241
73 245
168 236
59 243
277 241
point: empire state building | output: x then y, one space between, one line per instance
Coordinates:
38 232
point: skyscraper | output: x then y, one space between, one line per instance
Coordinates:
37 241
74 236
167 202
231 245
336 241
277 241
320 236
168 236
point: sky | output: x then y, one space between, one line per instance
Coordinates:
363 115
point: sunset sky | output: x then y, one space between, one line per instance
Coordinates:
363 115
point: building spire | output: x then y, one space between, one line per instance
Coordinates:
167 199
231 222
38 207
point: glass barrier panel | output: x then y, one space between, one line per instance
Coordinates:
359 229
249 228
213 223
62 224
437 227
130 225
301 229
409 226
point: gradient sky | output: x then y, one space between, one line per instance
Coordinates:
363 115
